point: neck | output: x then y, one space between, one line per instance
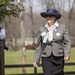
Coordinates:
50 23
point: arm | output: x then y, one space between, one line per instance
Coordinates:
37 53
67 45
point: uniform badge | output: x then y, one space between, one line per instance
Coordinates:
58 34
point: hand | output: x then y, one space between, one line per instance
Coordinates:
35 64
66 58
6 48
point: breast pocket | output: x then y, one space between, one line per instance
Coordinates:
58 36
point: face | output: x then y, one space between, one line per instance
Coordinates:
51 18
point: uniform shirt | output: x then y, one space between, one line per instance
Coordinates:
49 35
2 34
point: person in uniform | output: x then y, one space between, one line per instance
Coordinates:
53 44
2 43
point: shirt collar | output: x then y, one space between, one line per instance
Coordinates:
56 25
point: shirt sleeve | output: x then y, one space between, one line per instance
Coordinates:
67 43
2 34
37 52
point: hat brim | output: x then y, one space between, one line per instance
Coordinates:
44 14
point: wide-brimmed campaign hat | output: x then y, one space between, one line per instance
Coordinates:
50 12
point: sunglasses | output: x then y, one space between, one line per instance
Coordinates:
49 15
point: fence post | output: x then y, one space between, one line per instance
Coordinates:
35 71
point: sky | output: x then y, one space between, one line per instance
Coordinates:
38 6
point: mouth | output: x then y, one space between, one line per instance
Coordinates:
49 21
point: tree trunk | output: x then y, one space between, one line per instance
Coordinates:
22 36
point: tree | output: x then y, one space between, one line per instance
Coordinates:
71 7
7 8
32 19
22 29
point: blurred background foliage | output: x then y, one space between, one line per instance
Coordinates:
21 19
7 8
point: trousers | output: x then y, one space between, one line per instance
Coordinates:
53 65
2 61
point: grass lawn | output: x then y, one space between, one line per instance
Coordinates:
15 57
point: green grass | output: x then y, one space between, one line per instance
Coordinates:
15 57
